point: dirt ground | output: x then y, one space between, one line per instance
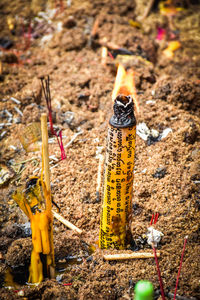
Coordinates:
167 172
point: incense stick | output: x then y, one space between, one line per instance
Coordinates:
133 255
179 271
159 274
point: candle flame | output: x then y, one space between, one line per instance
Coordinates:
125 85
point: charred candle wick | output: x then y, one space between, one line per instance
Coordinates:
123 112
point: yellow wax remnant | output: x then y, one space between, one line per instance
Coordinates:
36 235
118 188
10 22
36 271
45 233
167 8
173 46
135 24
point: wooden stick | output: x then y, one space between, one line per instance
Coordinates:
45 165
148 9
129 255
100 167
66 223
45 157
45 150
95 27
104 54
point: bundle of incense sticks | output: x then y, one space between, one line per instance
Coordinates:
118 176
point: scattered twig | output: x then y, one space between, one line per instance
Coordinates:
18 111
148 9
24 161
3 133
8 113
66 223
93 31
171 295
100 167
133 255
73 139
15 100
181 261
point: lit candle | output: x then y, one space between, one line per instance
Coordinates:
118 176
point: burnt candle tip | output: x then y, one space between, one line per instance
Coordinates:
123 116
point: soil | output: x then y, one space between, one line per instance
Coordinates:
167 171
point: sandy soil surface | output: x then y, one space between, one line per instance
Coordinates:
167 172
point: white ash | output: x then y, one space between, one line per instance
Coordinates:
150 102
99 151
154 236
165 132
144 132
12 147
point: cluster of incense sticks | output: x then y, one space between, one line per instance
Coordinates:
47 95
154 219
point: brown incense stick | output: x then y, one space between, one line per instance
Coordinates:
133 255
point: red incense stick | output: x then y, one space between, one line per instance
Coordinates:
155 218
152 219
60 143
181 261
159 274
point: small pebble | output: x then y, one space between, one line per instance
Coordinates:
160 172
89 259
